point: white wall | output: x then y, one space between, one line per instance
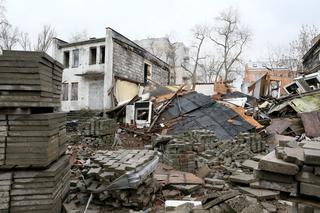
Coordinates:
206 89
70 74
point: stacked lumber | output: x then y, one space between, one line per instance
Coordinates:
29 79
34 140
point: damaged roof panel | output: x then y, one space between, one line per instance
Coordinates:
201 112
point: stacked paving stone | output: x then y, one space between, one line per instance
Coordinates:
29 79
292 168
107 166
34 173
98 131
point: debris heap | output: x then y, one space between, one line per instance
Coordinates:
292 168
122 178
32 134
189 151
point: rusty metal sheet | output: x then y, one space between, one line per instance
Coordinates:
311 123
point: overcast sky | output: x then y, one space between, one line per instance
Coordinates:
272 22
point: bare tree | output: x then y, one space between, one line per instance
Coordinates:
45 37
303 43
9 36
79 36
25 42
230 39
199 34
210 68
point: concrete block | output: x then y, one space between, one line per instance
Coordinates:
272 164
271 176
312 156
250 164
242 178
284 187
260 194
309 189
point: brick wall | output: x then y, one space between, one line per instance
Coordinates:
130 65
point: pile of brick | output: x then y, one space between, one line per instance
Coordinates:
189 151
32 134
122 178
98 131
291 167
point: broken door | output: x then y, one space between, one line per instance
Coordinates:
96 95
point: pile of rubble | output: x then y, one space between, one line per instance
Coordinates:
189 151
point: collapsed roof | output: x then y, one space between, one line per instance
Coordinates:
194 111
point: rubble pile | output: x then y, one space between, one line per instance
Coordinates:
33 169
191 150
98 131
122 178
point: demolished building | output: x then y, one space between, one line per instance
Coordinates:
102 72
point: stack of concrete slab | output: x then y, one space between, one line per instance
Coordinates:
29 79
309 176
33 140
36 190
5 187
291 168
123 177
34 172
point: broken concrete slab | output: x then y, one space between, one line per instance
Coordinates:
253 208
214 181
238 203
291 155
308 177
271 176
260 194
312 156
186 188
284 187
242 178
269 207
272 164
203 171
250 164
309 189
214 187
226 196
312 145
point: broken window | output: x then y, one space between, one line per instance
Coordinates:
313 83
292 89
75 58
93 55
147 72
65 91
66 59
74 91
102 54
143 112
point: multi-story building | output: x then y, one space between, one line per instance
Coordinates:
103 72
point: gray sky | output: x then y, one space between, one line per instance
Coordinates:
272 22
